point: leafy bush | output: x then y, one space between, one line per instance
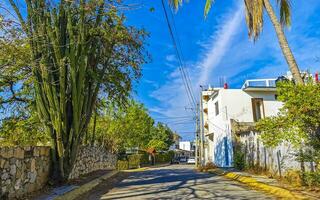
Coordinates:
144 160
23 132
122 165
164 157
293 177
134 160
239 159
312 179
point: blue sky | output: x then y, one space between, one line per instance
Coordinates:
213 48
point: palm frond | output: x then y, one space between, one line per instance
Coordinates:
254 17
175 3
207 7
285 12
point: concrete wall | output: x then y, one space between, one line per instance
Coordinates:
277 160
23 170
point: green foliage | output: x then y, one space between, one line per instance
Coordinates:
164 157
293 177
162 137
134 160
122 165
23 132
121 127
144 159
78 52
298 121
15 73
130 126
239 160
312 179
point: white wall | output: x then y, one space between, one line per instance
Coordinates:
233 104
269 158
185 145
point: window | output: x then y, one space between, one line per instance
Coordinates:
257 109
216 106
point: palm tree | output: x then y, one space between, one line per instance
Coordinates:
254 19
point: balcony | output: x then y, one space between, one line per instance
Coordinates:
260 85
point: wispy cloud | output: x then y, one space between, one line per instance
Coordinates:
172 96
219 43
228 52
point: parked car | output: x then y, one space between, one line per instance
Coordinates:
183 159
191 160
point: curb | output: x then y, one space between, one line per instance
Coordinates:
74 194
252 182
136 170
145 168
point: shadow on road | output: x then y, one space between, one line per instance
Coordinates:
179 182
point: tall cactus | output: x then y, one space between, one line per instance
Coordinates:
79 50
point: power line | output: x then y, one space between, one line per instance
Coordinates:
181 68
184 69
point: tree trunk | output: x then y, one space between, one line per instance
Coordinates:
94 127
284 43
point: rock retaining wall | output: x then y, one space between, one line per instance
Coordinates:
92 158
23 170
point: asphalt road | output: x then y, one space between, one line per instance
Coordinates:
178 182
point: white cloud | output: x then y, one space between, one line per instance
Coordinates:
172 96
219 43
171 58
230 53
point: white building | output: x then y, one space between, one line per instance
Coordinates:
185 145
224 107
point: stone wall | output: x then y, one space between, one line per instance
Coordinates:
91 158
27 169
23 170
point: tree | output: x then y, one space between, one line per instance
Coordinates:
121 127
254 19
138 125
298 121
162 137
130 126
79 50
15 72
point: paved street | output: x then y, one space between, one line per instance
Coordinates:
179 182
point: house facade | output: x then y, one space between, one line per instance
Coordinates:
224 108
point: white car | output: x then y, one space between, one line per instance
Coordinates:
191 161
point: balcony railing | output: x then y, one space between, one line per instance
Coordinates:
259 83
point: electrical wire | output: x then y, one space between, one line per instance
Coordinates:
181 68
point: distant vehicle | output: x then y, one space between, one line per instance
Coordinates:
183 159
175 161
191 160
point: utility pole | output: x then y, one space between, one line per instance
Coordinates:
201 129
197 136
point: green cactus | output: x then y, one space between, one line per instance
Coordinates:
79 51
